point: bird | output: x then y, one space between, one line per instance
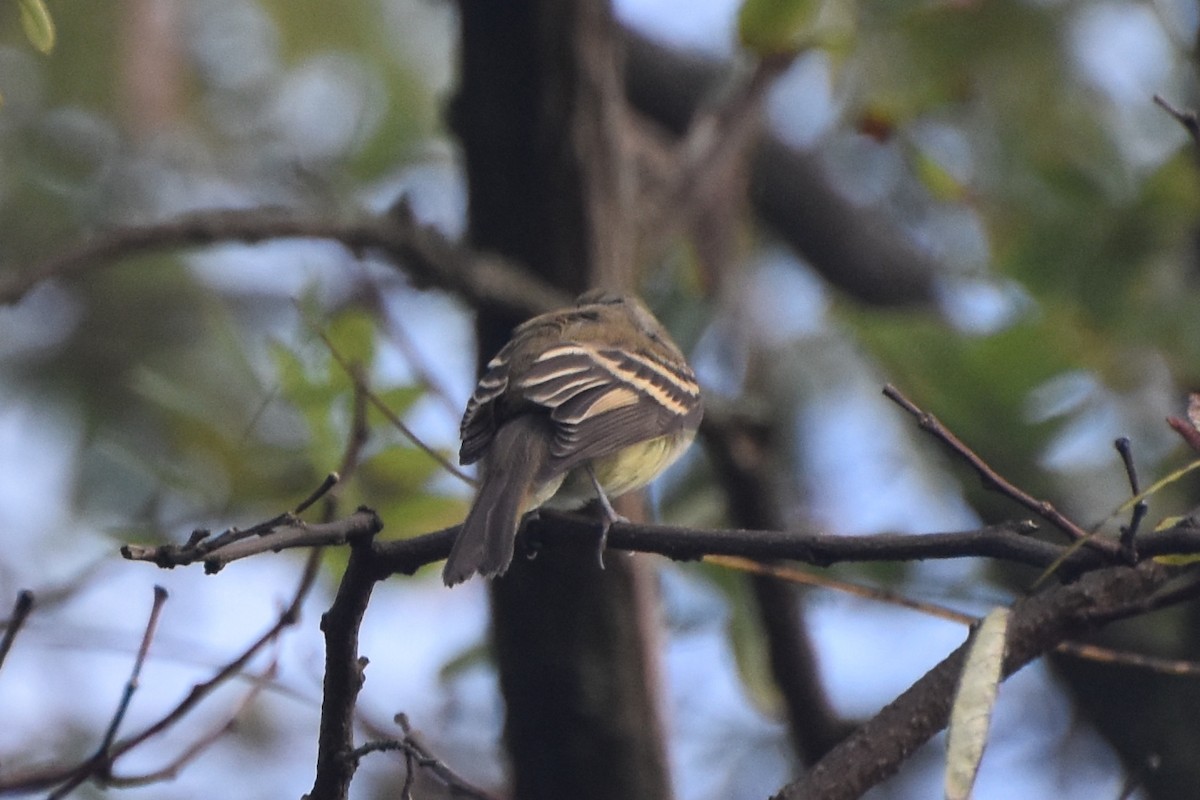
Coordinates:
584 403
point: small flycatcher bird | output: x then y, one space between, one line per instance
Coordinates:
581 403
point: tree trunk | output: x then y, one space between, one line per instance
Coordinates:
539 114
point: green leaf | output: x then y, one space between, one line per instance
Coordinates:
971 715
352 334
38 25
937 179
420 512
776 27
396 470
398 399
470 657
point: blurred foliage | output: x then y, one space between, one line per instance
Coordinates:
774 27
202 400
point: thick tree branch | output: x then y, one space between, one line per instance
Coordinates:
858 250
878 748
344 675
425 255
1006 542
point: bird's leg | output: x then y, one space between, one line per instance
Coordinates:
610 515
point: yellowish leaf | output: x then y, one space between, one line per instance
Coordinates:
38 24
971 715
775 27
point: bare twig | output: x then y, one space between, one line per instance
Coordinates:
1185 118
993 480
99 766
1125 450
330 481
201 542
20 613
424 375
288 533
56 776
190 753
160 597
1090 652
1140 508
382 407
456 782
793 575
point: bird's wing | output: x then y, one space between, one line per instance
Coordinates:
603 399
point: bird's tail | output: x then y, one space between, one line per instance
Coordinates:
510 468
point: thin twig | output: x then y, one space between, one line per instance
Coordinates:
1140 508
160 597
192 751
390 415
330 481
361 523
425 757
1185 118
1125 450
20 613
100 764
286 618
793 575
992 479
425 377
59 776
208 545
1089 652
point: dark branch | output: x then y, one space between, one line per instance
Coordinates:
860 251
1185 118
41 778
1008 542
202 743
287 532
992 479
344 675
418 754
425 255
131 686
20 613
877 749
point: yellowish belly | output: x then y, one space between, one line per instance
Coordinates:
624 471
